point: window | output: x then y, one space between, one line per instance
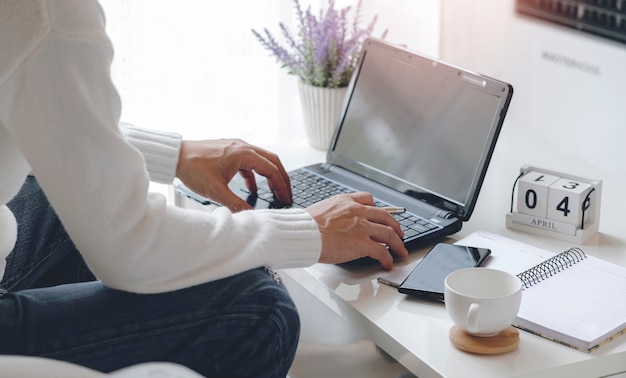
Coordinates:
193 66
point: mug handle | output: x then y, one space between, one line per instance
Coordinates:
472 318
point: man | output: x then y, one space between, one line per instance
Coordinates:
175 285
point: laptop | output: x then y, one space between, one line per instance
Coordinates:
415 132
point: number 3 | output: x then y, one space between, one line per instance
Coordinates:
571 185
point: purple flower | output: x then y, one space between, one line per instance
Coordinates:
326 48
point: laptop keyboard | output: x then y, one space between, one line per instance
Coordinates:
308 189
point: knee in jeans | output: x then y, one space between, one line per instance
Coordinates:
274 336
280 305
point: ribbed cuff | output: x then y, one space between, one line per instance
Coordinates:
298 239
160 150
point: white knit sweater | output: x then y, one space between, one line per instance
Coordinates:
59 115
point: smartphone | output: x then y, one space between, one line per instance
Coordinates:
427 279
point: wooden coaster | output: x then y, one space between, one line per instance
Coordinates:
503 342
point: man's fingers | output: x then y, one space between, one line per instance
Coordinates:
386 229
389 237
379 252
380 216
249 179
231 200
268 165
272 157
280 188
363 198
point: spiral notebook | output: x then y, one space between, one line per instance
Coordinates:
570 297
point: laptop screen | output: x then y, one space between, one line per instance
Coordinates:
420 126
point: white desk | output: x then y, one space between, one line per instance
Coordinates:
416 333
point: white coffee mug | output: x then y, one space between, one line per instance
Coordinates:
482 301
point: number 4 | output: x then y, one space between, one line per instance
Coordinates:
563 206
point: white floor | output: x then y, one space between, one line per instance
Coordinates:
330 348
358 359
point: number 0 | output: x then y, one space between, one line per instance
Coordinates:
531 199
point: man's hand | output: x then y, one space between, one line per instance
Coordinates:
352 228
206 167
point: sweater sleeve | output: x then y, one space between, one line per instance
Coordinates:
160 150
62 109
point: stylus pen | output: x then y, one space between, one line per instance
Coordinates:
394 210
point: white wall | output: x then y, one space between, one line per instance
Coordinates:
568 111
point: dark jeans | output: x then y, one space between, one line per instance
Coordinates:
52 306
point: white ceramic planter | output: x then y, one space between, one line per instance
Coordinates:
321 108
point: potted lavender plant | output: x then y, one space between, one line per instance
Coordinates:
323 54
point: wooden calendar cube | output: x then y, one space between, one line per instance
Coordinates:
551 203
532 198
566 198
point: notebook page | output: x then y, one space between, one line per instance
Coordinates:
584 302
506 254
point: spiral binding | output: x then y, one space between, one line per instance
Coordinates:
551 266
